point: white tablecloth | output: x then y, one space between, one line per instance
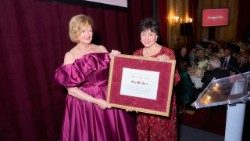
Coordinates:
197 81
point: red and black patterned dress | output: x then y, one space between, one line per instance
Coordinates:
159 128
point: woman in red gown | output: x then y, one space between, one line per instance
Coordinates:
152 127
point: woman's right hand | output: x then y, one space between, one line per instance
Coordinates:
114 53
102 103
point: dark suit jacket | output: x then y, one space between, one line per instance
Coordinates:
210 74
233 64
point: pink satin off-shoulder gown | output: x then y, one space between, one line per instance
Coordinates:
85 121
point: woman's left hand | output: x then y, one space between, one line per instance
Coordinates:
162 57
114 53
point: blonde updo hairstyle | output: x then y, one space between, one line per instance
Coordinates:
77 25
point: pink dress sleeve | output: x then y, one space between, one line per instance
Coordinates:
74 74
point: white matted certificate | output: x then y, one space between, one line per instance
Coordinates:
139 83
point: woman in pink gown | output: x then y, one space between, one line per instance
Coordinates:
88 116
152 127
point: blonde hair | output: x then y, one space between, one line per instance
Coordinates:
215 63
76 25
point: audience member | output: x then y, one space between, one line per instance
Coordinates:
193 57
229 62
214 71
244 65
185 90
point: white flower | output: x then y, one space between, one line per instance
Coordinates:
203 64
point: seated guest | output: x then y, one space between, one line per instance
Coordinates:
215 71
202 58
235 50
229 62
244 65
201 54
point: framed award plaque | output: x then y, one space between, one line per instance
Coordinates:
141 84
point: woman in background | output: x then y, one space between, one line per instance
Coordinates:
182 55
88 116
192 57
152 127
215 71
185 90
244 65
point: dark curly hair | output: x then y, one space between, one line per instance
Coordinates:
151 24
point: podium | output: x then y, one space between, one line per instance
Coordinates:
233 91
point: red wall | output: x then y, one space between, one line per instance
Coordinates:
33 41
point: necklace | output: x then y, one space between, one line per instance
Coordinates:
84 48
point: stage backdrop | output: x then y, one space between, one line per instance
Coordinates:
33 41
